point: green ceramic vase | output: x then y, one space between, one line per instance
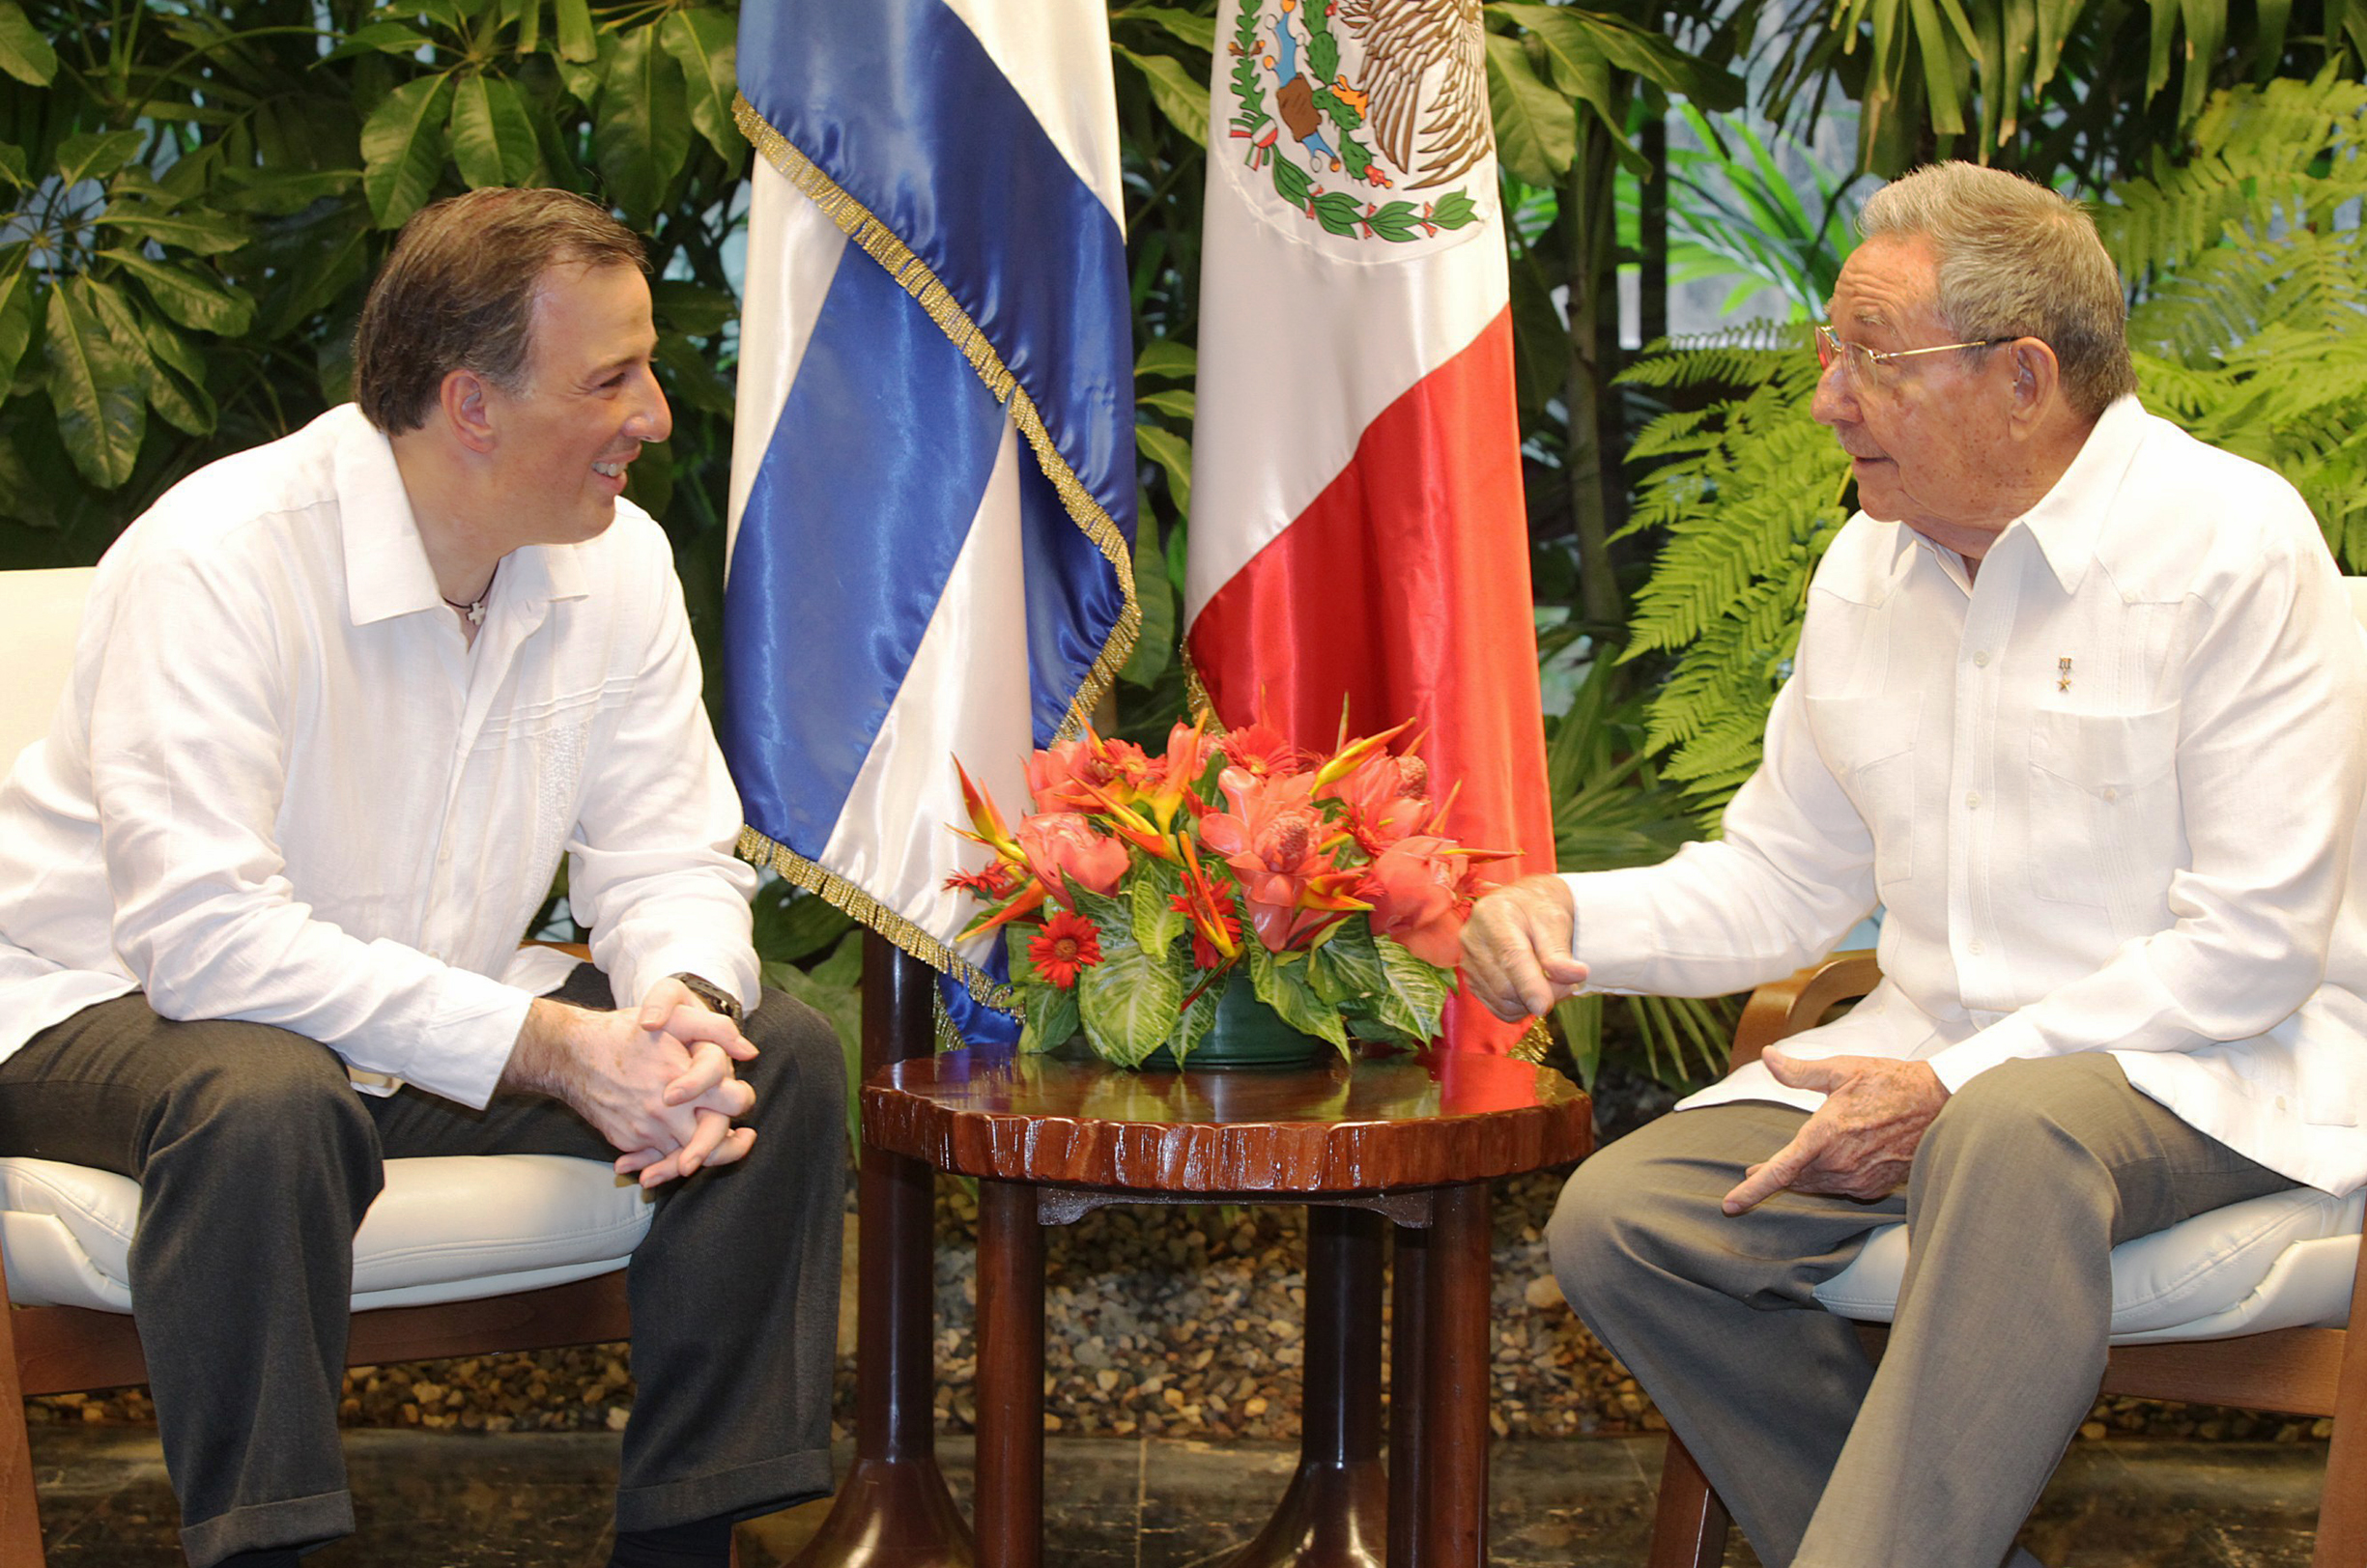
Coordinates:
1247 1034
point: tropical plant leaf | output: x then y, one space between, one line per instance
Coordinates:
1174 456
493 136
204 233
1129 1001
1199 32
186 407
1536 129
189 298
402 148
643 133
704 43
1184 101
1282 984
96 154
18 308
102 410
25 53
577 42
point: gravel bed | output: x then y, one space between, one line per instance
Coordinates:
1179 1322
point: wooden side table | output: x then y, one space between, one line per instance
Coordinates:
1416 1138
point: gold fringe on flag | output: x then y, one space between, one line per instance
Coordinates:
918 280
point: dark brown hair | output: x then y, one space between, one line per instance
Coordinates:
458 294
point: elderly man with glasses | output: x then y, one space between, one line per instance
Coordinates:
2078 701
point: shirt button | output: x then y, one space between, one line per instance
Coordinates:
1972 800
1975 949
2111 795
1981 658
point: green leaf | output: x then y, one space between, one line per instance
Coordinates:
643 131
207 233
1155 920
1173 401
1129 1001
1155 648
190 297
691 379
1051 1017
493 137
385 36
402 148
1281 983
186 407
1337 212
25 53
1421 987
692 308
704 43
12 166
1200 32
1166 356
577 41
1291 182
1194 1022
1184 101
1536 130
1174 456
17 308
101 410
96 154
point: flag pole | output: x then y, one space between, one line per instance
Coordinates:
893 1510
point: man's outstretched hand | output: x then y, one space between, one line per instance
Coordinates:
1515 948
1861 1140
658 1083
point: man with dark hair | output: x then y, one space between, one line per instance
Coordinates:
338 705
2078 700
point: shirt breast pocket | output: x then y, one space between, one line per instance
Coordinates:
2103 805
1868 744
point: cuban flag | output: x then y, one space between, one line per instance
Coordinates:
933 485
1357 529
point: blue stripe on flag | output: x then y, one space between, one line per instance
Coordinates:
853 523
899 103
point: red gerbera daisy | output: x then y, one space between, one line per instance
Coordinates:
1067 943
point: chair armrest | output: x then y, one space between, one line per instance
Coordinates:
1800 1001
580 952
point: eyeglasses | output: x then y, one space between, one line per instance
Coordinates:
1860 362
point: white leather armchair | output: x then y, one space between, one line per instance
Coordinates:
458 1255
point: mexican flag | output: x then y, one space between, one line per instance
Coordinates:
1358 529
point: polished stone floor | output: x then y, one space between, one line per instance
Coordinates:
442 1501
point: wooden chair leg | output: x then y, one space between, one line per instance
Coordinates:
1689 1528
2342 1506
21 1517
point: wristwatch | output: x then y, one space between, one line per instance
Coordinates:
717 1001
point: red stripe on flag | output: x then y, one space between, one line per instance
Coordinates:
1404 589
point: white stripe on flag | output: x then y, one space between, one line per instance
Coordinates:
793 250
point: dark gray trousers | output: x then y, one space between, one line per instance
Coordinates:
2026 1180
256 1160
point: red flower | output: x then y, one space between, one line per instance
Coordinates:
996 881
1386 800
1067 943
1062 848
1419 894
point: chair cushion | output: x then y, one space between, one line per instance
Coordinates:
2284 1261
451 1228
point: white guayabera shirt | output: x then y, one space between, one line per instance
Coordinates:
2109 797
282 786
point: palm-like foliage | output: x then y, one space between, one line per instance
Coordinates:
2245 259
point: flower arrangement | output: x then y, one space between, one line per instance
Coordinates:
1143 886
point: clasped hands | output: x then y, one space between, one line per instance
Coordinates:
659 1082
1860 1142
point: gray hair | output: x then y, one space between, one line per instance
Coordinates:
2016 260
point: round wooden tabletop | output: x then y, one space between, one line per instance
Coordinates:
1383 1122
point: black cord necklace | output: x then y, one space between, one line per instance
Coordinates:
475 611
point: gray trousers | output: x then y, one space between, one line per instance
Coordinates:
256 1160
2026 1180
